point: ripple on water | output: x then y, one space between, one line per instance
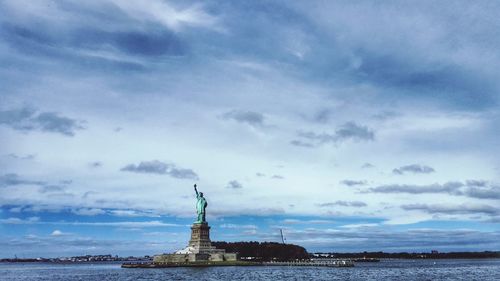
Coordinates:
386 270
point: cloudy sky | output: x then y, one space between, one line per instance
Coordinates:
352 126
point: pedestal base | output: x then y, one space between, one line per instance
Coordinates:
199 249
200 238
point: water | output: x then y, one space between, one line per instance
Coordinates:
486 269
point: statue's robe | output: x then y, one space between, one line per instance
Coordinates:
201 204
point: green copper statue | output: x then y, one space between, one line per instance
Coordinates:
201 204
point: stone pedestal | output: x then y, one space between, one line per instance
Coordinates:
199 249
200 238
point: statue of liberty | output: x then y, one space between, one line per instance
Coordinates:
201 205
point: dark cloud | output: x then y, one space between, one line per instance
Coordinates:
95 164
94 39
181 173
88 211
18 119
483 192
351 130
448 187
356 204
352 182
462 209
254 119
160 168
21 157
149 42
150 167
234 184
323 116
472 188
430 81
143 43
413 168
386 115
28 119
301 143
477 183
52 122
278 177
397 62
15 179
367 166
50 188
348 131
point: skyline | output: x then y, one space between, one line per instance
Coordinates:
351 126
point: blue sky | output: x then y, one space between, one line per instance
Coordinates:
352 126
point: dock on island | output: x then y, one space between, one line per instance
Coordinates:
326 263
329 263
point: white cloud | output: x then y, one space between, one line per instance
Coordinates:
34 219
132 213
13 221
238 226
168 15
30 220
57 233
126 224
359 225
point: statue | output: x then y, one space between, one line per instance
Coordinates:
201 204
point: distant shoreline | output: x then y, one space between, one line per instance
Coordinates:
406 255
361 255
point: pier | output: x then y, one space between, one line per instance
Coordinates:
328 262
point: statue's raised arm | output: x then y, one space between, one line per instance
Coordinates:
196 190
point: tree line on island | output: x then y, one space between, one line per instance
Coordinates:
272 251
264 251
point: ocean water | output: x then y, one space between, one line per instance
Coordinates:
484 269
